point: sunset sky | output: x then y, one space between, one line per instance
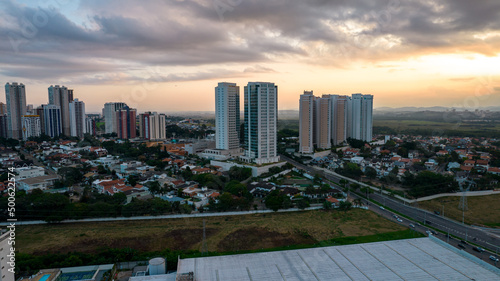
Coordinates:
168 55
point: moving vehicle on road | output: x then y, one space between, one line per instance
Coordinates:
412 225
495 259
461 245
478 249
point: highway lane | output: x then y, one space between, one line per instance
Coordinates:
465 232
424 229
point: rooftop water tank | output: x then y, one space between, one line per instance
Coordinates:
157 266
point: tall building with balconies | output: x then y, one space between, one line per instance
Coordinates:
339 124
31 126
109 113
360 117
15 95
77 118
152 126
306 122
52 120
322 124
61 96
227 116
126 122
261 121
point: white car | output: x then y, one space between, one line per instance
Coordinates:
495 259
428 232
399 220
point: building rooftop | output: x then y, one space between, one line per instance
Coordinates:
40 179
411 259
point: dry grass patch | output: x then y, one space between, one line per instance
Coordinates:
483 210
223 233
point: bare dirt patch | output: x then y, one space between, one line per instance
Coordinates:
254 238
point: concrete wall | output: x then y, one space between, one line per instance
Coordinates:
256 170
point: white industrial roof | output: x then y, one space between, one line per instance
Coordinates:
411 259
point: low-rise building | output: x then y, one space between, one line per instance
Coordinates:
40 182
29 172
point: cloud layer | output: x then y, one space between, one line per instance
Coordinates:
105 39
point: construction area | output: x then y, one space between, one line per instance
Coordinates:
411 259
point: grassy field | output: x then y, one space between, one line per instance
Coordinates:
483 210
224 234
437 127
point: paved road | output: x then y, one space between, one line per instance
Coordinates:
427 219
37 163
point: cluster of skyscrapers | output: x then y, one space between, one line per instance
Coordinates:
63 115
332 119
260 122
121 119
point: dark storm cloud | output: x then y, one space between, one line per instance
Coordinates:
119 36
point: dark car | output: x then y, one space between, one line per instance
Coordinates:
427 222
461 246
478 249
437 213
462 241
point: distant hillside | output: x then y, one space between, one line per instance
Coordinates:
282 114
432 108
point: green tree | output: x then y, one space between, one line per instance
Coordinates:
132 180
327 205
356 143
370 172
345 205
274 200
226 201
239 173
154 187
302 203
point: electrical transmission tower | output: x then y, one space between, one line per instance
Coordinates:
463 200
204 247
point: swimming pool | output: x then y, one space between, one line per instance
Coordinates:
45 277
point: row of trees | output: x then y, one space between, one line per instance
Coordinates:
54 207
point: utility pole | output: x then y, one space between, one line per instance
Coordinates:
204 247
